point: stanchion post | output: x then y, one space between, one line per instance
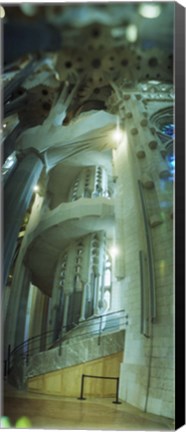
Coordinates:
82 388
117 392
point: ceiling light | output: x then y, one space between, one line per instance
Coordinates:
148 10
2 12
131 33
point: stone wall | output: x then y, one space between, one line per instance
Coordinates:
147 374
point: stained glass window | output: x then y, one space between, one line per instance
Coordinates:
169 130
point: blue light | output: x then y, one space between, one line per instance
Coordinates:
171 163
168 129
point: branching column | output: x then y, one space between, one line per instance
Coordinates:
17 195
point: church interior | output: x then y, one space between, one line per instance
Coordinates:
88 199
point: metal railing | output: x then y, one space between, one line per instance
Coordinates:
99 377
93 326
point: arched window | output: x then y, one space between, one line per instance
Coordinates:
107 273
168 130
107 300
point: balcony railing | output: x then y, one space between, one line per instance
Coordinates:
94 326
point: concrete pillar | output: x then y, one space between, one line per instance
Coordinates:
18 192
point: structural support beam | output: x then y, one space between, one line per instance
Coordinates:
18 192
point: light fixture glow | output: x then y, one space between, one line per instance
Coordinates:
148 10
4 125
117 134
36 188
9 163
131 33
113 251
2 12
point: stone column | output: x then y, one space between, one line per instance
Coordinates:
83 303
67 298
96 291
22 308
18 192
14 326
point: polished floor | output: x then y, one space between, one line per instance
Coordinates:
53 412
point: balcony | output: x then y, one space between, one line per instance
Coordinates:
67 222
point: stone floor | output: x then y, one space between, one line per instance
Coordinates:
53 412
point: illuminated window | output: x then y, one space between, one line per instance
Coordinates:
107 299
108 273
165 129
171 162
168 130
107 278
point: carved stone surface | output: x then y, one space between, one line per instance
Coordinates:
39 103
